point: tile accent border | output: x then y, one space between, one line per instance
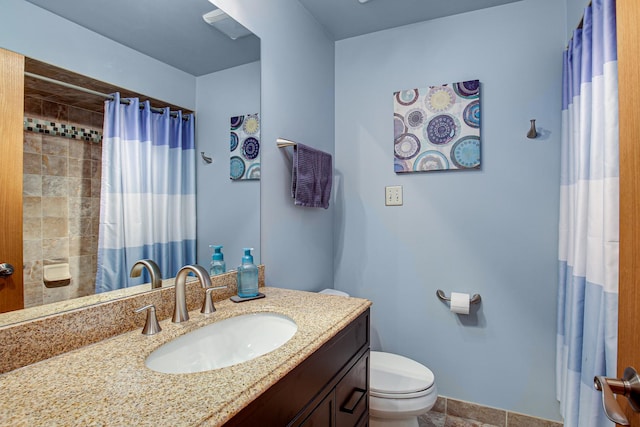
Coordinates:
449 412
65 130
39 339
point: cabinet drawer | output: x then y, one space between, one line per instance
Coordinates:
352 394
322 415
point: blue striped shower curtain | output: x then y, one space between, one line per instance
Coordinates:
589 203
147 205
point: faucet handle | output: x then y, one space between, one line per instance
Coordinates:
151 325
207 305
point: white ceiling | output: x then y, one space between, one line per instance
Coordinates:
174 32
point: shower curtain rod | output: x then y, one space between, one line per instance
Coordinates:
579 27
93 92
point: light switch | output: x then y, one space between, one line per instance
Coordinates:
393 195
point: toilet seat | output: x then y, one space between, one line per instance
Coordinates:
398 377
401 396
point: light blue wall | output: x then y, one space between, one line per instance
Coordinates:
492 232
221 95
297 103
39 34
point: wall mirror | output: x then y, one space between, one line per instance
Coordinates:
60 227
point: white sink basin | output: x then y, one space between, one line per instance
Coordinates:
224 343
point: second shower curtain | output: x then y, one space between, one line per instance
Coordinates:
589 211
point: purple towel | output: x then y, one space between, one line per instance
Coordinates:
312 177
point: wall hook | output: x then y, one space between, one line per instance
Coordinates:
207 159
532 131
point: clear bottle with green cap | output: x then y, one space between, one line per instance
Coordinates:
218 266
247 276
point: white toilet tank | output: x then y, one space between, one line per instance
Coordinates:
333 292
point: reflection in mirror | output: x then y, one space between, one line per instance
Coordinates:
62 179
63 150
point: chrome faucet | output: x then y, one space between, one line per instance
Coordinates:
180 313
152 267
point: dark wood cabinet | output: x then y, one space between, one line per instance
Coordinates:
352 394
323 415
329 388
346 405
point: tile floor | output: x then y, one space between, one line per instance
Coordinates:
455 413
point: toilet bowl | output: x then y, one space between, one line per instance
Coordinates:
400 388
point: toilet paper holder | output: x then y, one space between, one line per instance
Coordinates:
475 299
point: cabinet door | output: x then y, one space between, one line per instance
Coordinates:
352 394
11 135
323 414
364 421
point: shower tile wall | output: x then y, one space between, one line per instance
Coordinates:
61 202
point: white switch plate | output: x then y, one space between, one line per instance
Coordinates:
393 195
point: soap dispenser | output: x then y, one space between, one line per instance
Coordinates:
218 265
247 276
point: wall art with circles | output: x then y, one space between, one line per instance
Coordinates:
437 128
245 147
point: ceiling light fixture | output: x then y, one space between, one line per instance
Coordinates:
225 24
363 1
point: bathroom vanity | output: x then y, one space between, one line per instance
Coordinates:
319 377
330 388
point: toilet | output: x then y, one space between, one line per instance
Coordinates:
400 388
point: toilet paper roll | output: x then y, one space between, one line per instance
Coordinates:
459 303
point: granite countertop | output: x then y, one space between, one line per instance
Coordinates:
107 383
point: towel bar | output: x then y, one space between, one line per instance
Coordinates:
285 143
